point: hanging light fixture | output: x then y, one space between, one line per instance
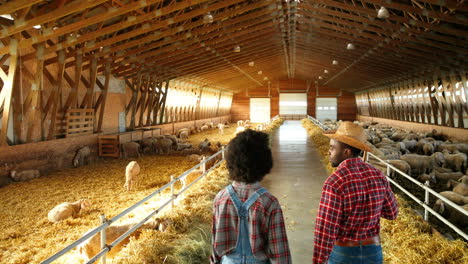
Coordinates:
383 13
251 64
325 71
37 26
259 72
335 62
208 18
237 48
350 46
265 78
320 77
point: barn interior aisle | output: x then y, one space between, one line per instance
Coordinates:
296 180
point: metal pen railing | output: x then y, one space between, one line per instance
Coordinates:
105 223
427 190
317 122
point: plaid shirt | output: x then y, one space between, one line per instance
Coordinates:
353 199
267 231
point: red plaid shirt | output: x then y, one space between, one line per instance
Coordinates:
266 225
353 199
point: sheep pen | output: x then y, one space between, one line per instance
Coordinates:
408 239
28 237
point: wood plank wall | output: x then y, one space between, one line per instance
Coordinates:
241 101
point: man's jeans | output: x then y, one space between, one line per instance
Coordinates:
370 254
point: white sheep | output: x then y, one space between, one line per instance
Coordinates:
204 145
455 197
24 175
204 127
240 123
221 128
451 213
240 129
173 139
164 145
427 177
457 161
189 178
132 148
194 158
131 175
182 146
92 246
462 188
401 165
423 164
66 210
81 156
184 134
445 176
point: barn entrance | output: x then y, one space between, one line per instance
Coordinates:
326 108
293 105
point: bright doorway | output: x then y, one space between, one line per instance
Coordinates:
259 110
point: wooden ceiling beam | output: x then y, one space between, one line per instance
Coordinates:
128 23
73 7
372 14
12 6
83 23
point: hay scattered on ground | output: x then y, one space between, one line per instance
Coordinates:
28 237
408 239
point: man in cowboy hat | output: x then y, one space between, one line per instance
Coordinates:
353 199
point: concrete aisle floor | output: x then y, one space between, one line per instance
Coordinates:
296 180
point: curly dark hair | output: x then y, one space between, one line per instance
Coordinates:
249 156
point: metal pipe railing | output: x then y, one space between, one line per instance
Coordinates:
318 123
106 223
427 190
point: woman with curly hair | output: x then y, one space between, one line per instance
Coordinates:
248 225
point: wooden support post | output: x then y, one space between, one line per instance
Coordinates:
163 101
132 104
104 96
142 102
36 90
158 91
57 95
7 90
72 100
88 98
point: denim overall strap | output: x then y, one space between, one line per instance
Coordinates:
243 252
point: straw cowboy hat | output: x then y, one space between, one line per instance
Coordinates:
351 134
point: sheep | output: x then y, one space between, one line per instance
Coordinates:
173 139
446 146
448 175
24 175
131 174
194 158
443 170
401 165
131 147
181 146
423 164
190 151
260 127
240 129
455 161
455 197
451 213
164 145
209 124
410 144
427 177
462 188
221 128
427 148
204 127
66 210
189 178
181 131
147 144
81 155
204 145
92 246
240 123
193 130
183 134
